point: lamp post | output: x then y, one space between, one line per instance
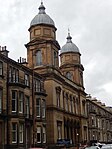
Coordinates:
77 141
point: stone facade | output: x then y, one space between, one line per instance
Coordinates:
43 101
20 102
99 121
66 100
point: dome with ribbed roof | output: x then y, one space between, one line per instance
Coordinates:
42 18
69 46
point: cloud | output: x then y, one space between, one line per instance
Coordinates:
90 24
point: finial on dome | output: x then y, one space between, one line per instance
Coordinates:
68 31
41 2
69 37
41 8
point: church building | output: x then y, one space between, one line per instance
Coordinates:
66 116
43 103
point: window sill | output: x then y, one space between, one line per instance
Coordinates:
21 142
14 142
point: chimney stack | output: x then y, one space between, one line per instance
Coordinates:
4 51
22 60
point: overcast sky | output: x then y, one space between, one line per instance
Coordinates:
90 23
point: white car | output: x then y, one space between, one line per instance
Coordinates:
107 146
92 147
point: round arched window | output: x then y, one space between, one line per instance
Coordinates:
38 58
69 75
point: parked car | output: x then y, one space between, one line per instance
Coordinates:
64 141
107 146
92 147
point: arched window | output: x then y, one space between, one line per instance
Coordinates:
69 75
66 102
38 58
81 78
55 58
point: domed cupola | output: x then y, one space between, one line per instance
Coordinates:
43 48
70 62
42 18
69 46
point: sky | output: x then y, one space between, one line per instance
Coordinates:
90 24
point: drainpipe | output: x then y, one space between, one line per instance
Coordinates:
33 103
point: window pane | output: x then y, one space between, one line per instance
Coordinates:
37 86
55 58
13 75
38 58
66 103
43 108
26 79
14 101
44 135
38 134
73 104
59 130
58 98
13 105
27 106
10 75
69 75
38 107
21 133
14 132
17 75
21 102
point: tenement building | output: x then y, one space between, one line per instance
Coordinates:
66 97
21 96
42 99
99 121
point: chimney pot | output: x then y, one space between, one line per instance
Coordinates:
2 48
20 59
5 47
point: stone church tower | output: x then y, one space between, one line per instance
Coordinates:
65 104
71 66
42 50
